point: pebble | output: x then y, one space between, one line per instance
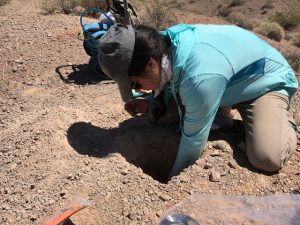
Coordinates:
51 202
231 164
33 217
224 173
164 197
124 172
63 193
70 177
207 165
13 166
220 146
216 153
86 162
214 176
19 61
5 207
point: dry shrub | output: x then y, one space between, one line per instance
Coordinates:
240 21
267 5
4 2
293 58
271 30
224 11
68 6
289 19
233 3
49 6
296 41
92 3
157 13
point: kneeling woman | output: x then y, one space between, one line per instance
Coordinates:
205 67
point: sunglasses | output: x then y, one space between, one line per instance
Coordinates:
135 85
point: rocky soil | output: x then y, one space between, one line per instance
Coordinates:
65 135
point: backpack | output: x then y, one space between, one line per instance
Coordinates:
92 32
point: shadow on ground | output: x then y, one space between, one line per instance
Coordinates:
235 137
68 222
153 148
80 74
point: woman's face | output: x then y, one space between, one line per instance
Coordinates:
150 79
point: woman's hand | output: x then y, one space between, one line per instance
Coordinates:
137 106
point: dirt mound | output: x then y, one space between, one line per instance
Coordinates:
64 134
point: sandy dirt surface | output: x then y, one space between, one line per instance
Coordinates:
65 135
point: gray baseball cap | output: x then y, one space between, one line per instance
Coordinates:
115 51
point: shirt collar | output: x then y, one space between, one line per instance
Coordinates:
166 73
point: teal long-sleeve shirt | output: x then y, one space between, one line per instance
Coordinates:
219 65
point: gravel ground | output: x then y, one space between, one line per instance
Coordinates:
65 135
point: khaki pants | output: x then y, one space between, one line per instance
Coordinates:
271 136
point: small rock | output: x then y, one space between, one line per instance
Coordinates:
51 202
63 193
214 176
6 191
124 172
215 153
207 165
19 61
219 145
231 165
296 190
224 173
282 175
13 166
32 186
164 197
5 207
33 217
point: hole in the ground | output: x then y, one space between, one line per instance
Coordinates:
153 148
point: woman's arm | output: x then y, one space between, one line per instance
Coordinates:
201 96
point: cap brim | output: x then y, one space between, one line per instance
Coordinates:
125 88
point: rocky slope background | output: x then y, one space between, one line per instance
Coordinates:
65 135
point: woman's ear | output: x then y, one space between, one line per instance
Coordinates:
152 64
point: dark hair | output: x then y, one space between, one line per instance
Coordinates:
148 43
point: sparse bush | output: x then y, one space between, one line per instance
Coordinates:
240 21
92 3
271 30
233 3
4 2
68 6
267 5
293 58
287 37
49 6
289 19
224 11
296 41
157 13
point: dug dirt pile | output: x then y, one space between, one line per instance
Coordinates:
64 134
